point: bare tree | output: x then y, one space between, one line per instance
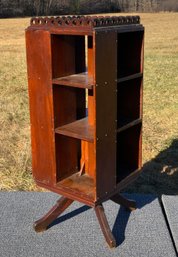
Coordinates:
74 6
36 5
169 5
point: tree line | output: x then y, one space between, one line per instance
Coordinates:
55 7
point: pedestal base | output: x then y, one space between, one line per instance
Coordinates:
62 204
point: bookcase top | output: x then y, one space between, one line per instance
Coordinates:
84 21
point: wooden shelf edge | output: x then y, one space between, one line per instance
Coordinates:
129 125
71 194
130 77
80 80
79 129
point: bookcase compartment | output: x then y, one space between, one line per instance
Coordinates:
71 121
68 55
128 152
69 104
70 60
130 47
68 154
129 102
70 173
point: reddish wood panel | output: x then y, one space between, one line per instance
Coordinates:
106 111
41 110
91 71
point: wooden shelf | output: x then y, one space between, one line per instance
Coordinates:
83 184
127 123
133 76
80 80
79 129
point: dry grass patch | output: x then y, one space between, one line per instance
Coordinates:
160 139
15 160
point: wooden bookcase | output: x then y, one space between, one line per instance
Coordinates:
85 77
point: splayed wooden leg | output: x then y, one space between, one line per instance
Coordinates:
99 210
42 224
129 204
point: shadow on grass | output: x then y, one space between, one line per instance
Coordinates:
160 175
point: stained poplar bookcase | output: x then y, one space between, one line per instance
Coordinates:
85 77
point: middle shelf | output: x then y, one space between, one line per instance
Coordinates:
79 129
80 80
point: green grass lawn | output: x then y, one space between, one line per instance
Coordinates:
160 137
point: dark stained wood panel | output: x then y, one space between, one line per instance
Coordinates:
106 111
80 80
41 102
78 129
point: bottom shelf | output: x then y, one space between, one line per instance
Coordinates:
80 184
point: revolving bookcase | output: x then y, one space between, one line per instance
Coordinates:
85 77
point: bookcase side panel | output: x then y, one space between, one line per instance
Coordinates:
106 111
40 97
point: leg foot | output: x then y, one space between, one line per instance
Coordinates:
99 210
42 224
129 204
